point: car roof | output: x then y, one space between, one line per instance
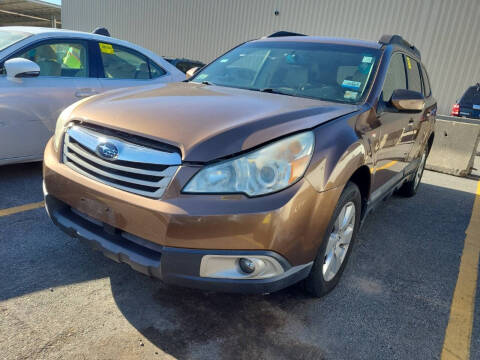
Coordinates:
323 40
46 31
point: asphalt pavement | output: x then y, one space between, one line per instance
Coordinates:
60 300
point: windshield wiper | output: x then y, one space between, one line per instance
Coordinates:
207 83
275 91
270 91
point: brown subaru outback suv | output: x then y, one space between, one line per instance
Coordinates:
254 174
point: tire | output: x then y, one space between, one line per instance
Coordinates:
323 278
410 187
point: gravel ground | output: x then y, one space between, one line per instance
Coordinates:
59 299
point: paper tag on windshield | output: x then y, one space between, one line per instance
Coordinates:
367 59
106 48
350 84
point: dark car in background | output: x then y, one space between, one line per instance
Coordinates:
469 103
185 64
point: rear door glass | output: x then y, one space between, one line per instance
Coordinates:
155 70
122 63
413 75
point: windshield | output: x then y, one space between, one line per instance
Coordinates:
10 37
321 71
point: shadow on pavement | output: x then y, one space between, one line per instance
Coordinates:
393 300
20 184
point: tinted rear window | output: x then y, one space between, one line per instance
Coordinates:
471 96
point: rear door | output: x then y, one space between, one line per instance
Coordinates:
29 107
470 103
121 66
426 123
415 120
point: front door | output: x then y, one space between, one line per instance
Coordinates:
394 138
29 107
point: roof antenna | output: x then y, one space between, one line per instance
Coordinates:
101 31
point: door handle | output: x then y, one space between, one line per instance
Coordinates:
85 93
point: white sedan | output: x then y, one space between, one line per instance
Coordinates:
42 71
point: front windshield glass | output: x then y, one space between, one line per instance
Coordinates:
10 37
329 72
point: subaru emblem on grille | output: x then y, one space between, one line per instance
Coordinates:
107 150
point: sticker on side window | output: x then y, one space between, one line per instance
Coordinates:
106 48
409 63
352 85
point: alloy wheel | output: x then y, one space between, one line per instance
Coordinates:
339 241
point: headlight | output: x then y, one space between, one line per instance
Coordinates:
62 123
269 169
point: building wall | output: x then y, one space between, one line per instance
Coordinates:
445 31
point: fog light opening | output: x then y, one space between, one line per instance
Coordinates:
240 267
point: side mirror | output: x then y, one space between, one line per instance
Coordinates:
21 68
192 72
407 100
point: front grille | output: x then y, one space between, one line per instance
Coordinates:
135 168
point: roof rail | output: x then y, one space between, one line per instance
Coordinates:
398 40
284 33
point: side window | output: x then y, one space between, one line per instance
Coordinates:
413 75
122 63
426 83
395 78
59 59
155 70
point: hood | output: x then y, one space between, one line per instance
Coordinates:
206 122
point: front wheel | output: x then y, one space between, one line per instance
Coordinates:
337 243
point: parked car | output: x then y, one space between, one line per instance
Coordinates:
43 70
185 64
256 173
469 103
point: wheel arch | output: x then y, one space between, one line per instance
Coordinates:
363 179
